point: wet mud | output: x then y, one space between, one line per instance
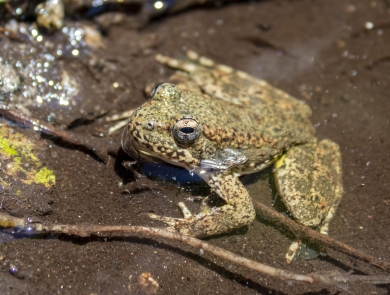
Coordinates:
332 54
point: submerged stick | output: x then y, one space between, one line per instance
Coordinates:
89 144
303 232
337 279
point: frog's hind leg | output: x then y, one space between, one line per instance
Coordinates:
183 81
183 65
218 80
209 63
190 75
206 74
309 181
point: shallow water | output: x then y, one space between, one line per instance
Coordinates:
321 52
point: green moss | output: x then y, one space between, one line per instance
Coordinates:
16 155
45 176
6 147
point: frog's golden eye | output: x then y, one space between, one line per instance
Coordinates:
186 130
155 88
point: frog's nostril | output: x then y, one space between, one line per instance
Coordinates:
149 126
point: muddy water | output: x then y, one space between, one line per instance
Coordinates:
320 51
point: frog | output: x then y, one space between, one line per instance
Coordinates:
221 123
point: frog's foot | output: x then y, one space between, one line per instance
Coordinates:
324 229
209 63
173 223
309 181
170 221
196 64
292 251
183 65
122 121
176 224
184 210
300 249
236 213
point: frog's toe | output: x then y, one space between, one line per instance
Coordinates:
292 251
184 210
177 224
204 61
209 63
176 64
122 119
180 225
324 229
169 221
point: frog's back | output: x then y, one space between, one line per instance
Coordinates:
237 111
264 117
253 107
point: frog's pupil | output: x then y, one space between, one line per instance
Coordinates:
187 130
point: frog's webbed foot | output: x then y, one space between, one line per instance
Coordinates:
168 220
309 181
173 223
178 224
121 119
198 64
237 212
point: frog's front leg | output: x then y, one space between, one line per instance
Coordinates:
309 181
238 211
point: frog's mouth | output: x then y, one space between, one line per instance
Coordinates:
133 147
140 152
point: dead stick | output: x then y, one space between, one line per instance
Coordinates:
334 278
311 235
300 230
90 144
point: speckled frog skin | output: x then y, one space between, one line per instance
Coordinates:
222 123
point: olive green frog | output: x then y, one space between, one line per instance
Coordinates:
221 123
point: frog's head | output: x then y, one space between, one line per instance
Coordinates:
165 128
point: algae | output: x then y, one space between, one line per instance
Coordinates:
18 160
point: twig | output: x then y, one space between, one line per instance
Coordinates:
90 145
301 231
337 279
304 232
378 60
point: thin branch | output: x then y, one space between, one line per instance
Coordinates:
304 232
91 145
337 279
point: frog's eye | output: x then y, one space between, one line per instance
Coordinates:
186 130
155 88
